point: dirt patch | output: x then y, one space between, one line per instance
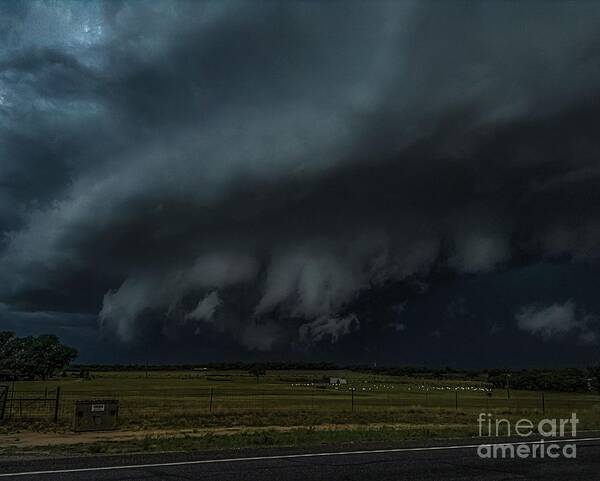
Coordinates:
28 439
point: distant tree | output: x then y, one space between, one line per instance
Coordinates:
5 338
8 348
34 357
257 371
595 375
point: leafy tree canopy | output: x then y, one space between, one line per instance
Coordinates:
34 357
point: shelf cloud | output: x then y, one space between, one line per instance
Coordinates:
262 170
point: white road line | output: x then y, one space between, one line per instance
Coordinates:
285 456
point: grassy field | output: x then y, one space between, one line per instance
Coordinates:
383 406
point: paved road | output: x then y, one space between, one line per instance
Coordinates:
449 462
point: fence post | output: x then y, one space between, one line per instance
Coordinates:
352 391
12 397
211 399
3 399
56 404
543 404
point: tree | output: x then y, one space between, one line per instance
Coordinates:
595 375
9 345
257 371
34 357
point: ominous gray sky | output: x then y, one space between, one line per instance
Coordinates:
310 180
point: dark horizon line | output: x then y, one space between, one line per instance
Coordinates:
316 365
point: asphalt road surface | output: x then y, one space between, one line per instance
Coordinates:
416 462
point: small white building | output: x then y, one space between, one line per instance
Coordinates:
337 380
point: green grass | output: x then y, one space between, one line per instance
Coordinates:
181 399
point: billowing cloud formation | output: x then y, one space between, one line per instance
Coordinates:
331 328
477 253
556 320
165 290
205 310
168 162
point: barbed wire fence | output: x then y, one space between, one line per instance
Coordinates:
57 405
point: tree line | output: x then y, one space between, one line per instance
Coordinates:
33 357
565 379
558 379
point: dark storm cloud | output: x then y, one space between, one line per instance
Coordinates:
556 320
257 169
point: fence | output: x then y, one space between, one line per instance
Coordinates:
157 403
30 404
